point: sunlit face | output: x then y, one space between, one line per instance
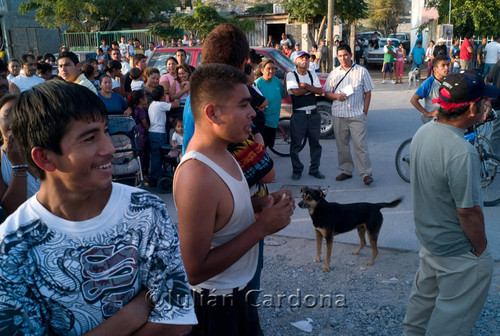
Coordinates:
171 64
178 128
106 85
441 69
269 71
85 162
183 75
14 68
302 62
181 57
68 70
30 67
235 115
115 55
344 58
142 64
153 80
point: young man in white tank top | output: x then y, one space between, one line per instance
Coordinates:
217 228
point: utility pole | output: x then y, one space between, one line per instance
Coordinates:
329 36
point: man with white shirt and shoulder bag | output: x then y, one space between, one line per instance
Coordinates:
349 87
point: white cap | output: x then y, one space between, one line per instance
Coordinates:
389 40
441 40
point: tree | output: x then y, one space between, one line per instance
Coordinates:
260 9
385 14
480 17
85 15
204 19
312 12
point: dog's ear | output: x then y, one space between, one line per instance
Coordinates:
321 193
303 189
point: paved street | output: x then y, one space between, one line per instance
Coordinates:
390 121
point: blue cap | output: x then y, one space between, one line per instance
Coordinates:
303 53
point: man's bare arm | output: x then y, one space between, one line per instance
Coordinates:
415 102
368 98
198 195
472 222
13 89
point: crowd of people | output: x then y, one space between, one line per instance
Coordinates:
87 255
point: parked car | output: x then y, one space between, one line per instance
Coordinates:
376 56
403 38
366 36
159 57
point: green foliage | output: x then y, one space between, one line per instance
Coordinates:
164 31
313 11
85 15
260 9
479 17
204 19
385 14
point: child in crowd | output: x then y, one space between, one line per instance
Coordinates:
313 65
137 82
177 139
138 103
158 117
400 63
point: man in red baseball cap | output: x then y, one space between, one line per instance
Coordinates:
454 276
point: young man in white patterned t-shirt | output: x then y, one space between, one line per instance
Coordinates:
349 86
85 255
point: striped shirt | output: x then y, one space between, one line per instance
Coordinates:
361 82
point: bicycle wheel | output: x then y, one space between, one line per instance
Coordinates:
282 141
481 140
490 180
403 160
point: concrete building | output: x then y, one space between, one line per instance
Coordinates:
21 32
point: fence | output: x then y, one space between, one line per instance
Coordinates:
90 41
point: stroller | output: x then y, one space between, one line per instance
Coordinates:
126 162
169 164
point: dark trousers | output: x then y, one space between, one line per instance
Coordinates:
302 125
229 315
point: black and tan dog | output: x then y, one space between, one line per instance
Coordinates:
330 219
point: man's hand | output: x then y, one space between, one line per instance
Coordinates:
275 216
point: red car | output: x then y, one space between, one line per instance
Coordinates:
159 57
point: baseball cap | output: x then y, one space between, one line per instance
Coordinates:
389 40
463 88
297 43
441 40
303 53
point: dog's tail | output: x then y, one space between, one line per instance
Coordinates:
393 204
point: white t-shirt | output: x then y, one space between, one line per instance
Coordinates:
147 53
10 77
71 276
125 68
313 66
25 83
492 52
179 139
137 85
157 113
291 83
115 84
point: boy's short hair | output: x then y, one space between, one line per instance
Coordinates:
344 47
69 54
135 73
213 84
157 93
137 58
42 115
215 48
438 59
25 59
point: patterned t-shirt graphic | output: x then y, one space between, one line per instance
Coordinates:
68 277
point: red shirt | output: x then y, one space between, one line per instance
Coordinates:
464 53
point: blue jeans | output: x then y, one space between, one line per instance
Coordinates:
156 140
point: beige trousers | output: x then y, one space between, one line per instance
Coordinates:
448 294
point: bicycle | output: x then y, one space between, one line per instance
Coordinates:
490 164
282 141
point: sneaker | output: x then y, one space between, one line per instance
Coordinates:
393 82
368 180
383 81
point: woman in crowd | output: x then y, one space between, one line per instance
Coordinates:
151 78
166 80
181 88
114 71
14 69
115 103
273 90
400 63
17 183
429 56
